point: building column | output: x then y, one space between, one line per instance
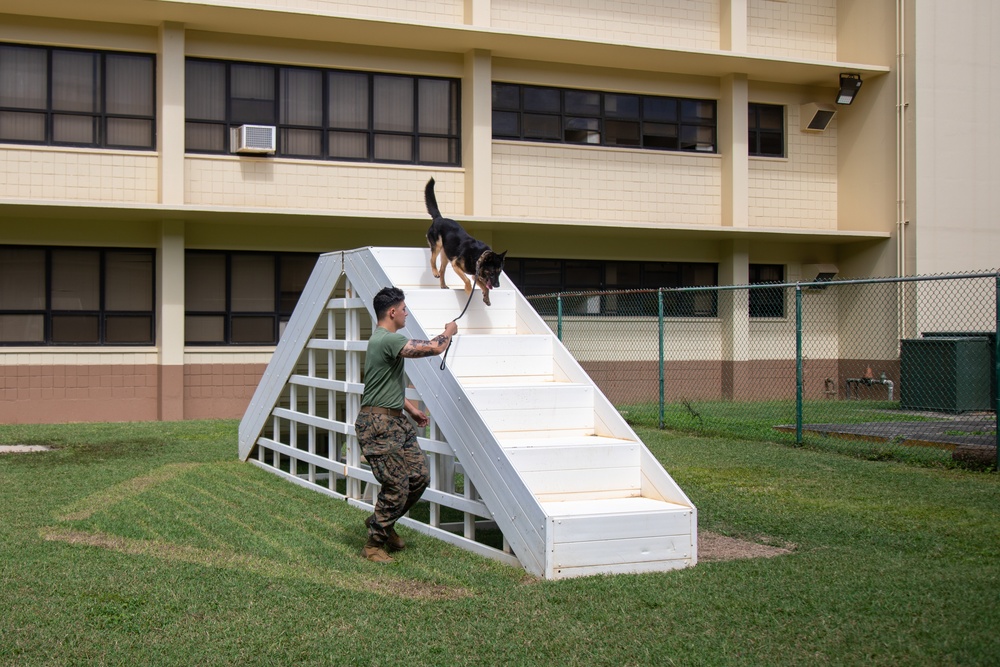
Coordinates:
170 319
477 13
170 116
733 128
734 313
733 25
477 132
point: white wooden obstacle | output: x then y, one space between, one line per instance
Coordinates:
530 463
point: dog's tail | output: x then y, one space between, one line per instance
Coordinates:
431 200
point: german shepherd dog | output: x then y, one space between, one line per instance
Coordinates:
467 256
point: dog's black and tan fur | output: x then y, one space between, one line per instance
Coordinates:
467 256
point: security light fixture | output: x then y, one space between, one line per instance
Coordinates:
850 84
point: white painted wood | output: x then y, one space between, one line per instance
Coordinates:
434 308
546 457
629 550
616 526
576 457
510 443
311 304
612 507
478 357
622 568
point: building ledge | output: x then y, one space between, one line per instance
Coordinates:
41 211
457 39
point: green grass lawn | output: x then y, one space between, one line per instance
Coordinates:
151 544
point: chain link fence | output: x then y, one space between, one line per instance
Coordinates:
902 369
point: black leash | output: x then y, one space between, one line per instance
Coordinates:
473 291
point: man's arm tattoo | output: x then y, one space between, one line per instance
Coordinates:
424 348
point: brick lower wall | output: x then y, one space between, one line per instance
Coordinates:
38 394
43 394
219 391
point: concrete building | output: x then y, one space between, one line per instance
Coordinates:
151 253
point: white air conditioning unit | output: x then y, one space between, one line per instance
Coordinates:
257 139
816 117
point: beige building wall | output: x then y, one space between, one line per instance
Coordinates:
688 25
313 185
955 160
423 11
831 199
799 190
804 29
555 182
74 174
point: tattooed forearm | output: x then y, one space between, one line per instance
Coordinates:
424 348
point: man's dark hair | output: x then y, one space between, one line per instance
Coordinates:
386 298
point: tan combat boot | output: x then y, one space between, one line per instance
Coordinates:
375 553
395 542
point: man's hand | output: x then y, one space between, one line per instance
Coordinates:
416 413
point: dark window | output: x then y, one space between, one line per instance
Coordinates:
766 124
634 279
71 97
241 298
534 113
767 301
325 114
76 296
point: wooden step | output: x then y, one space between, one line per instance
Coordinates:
563 407
433 308
501 359
619 535
580 471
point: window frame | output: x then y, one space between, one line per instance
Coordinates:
643 300
646 122
279 315
100 115
327 126
756 133
766 302
102 312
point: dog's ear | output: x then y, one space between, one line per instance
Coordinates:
502 255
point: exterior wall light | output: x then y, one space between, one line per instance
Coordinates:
850 84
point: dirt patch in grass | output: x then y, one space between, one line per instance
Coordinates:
83 509
713 547
221 558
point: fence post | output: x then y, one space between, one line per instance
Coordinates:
798 364
659 309
559 316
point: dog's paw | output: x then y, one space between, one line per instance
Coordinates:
486 298
435 274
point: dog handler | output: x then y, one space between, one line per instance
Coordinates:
388 440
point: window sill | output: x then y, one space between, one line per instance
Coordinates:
48 148
614 149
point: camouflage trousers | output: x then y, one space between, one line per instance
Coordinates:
390 446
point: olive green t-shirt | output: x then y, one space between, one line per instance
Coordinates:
384 370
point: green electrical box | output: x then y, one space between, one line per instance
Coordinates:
945 374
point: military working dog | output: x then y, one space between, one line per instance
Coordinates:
467 256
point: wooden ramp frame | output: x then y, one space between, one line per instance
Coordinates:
530 463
